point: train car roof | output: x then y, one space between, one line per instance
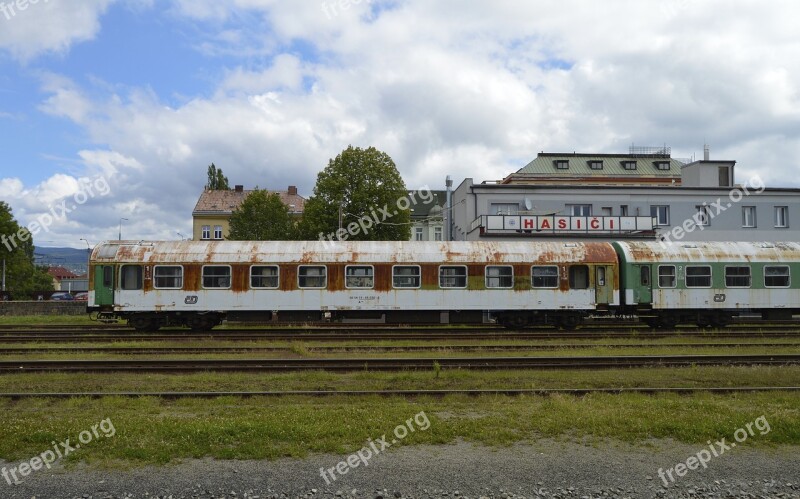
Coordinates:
708 252
352 251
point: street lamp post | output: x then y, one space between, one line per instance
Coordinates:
120 228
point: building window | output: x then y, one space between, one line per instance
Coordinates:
629 165
168 277
782 216
724 176
623 210
217 232
580 210
661 165
703 215
544 276
217 276
418 231
504 209
206 232
312 276
131 277
776 276
264 276
661 214
500 276
737 277
596 165
666 276
437 233
698 276
561 164
606 211
406 276
359 277
748 216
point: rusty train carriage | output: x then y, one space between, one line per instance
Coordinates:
197 283
709 284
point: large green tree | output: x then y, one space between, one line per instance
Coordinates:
366 186
23 278
262 216
216 180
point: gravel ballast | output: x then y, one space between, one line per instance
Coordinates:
462 470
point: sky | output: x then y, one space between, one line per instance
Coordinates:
113 109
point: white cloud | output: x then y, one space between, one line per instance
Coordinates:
446 87
48 25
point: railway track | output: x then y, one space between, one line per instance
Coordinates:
371 348
407 393
390 364
250 335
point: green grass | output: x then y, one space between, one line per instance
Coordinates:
36 320
701 376
152 431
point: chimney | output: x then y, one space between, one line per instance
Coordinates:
706 152
293 190
239 188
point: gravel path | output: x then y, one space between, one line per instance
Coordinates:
540 469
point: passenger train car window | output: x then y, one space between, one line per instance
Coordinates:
578 277
108 276
264 276
499 276
737 277
645 276
545 277
406 276
698 276
313 276
359 277
131 277
666 276
451 276
776 276
168 277
216 276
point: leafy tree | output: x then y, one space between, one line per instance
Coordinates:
23 277
216 180
262 216
363 182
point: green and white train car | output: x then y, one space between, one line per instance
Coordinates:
708 284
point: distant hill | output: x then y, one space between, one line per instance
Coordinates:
71 258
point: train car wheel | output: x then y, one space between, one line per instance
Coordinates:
721 320
144 324
668 321
570 322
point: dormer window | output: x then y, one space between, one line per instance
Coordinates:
596 165
561 164
662 165
629 165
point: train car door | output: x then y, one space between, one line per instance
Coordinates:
643 291
104 285
604 284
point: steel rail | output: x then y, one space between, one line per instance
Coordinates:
408 393
374 348
222 336
391 364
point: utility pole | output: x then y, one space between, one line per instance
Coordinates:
4 277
